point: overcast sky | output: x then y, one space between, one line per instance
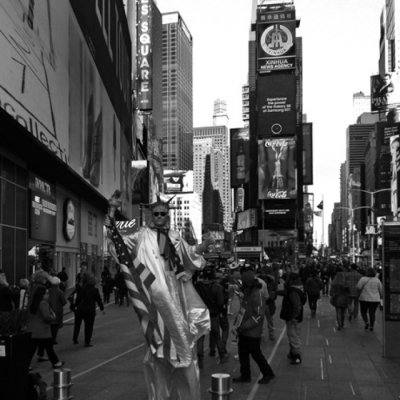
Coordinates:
340 52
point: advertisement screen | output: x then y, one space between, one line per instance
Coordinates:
176 181
276 105
276 42
307 154
279 214
277 169
385 91
240 156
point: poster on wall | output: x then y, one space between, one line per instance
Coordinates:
276 105
277 169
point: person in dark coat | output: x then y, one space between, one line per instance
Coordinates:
107 285
57 302
248 325
292 312
340 297
87 297
313 287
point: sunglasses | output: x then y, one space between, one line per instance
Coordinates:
160 214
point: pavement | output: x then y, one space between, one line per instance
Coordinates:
346 364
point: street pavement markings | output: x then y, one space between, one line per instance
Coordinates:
270 358
322 368
352 389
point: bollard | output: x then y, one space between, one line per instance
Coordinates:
220 387
62 384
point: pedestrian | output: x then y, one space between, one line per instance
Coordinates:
122 290
40 317
211 292
57 302
80 275
87 297
370 289
248 326
352 278
325 276
106 284
313 289
293 301
340 295
6 294
272 285
170 368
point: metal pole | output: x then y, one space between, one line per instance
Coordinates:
372 234
352 235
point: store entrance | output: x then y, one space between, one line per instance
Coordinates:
40 255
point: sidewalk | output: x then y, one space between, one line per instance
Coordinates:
346 364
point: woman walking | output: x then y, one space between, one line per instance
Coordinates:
370 289
40 317
340 296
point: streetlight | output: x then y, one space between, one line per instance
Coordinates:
372 220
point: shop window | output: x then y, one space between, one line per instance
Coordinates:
20 254
8 252
20 207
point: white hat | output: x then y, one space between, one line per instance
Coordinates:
54 280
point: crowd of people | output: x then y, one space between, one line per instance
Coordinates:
241 299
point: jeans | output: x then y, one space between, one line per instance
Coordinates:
47 344
88 319
293 331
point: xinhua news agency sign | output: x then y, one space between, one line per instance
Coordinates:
276 38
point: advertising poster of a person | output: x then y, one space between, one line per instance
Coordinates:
277 168
385 91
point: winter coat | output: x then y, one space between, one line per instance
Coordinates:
313 286
371 289
340 295
39 323
57 302
253 307
86 298
292 304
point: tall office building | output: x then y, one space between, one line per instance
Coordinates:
214 141
177 93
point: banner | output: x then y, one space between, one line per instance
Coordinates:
276 33
276 105
277 171
307 154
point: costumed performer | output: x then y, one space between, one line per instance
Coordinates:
176 315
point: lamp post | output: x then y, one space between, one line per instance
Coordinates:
372 217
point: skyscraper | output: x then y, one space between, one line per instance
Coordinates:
219 151
177 93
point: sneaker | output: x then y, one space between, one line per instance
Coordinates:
296 360
290 355
266 379
241 379
59 364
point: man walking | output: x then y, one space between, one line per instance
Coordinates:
248 326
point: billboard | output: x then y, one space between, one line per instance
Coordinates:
176 181
65 77
385 91
307 154
240 156
279 214
276 105
276 33
277 172
144 58
247 219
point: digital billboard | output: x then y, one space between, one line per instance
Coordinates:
307 154
276 105
177 181
65 76
276 34
385 91
279 214
240 156
277 173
